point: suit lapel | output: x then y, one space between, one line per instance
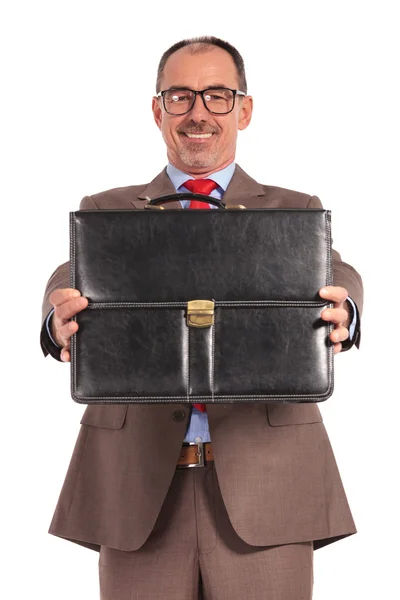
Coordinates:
242 189
160 186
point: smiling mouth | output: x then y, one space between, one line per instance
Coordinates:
198 136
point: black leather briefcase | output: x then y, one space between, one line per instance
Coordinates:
201 305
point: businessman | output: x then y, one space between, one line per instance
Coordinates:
246 524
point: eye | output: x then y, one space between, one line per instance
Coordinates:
179 98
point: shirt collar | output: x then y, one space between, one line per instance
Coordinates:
222 177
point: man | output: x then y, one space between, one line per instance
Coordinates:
245 524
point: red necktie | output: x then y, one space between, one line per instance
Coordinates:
200 186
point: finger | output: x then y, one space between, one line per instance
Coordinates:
64 333
339 334
337 348
334 315
333 293
65 355
62 295
70 308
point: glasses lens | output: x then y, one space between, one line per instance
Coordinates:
219 101
178 102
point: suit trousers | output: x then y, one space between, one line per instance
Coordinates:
193 553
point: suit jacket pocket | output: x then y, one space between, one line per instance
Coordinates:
109 416
293 414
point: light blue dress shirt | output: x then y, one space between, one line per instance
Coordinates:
198 430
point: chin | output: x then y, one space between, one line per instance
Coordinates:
199 161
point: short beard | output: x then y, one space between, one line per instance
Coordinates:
198 157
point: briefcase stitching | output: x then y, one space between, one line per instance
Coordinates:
329 278
218 304
205 399
213 355
72 250
188 365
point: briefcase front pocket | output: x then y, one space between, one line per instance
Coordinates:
129 353
168 352
279 351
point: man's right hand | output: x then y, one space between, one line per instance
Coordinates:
67 303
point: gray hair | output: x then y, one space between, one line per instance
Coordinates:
202 44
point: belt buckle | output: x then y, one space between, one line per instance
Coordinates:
200 454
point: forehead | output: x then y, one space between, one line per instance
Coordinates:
200 70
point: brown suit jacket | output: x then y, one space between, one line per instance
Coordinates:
274 462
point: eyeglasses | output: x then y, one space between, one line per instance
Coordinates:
218 101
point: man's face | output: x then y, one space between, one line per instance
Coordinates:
201 155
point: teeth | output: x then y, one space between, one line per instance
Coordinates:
199 135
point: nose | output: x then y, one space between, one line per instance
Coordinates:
198 112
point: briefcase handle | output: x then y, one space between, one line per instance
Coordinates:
188 196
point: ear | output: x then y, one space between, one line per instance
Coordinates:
157 111
246 111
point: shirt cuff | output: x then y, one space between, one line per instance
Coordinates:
353 324
49 328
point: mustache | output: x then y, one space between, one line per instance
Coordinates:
196 128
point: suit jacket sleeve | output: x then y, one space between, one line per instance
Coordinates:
344 275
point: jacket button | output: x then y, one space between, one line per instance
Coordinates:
178 415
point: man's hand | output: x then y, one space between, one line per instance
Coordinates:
339 314
67 303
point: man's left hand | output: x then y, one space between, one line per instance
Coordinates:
340 314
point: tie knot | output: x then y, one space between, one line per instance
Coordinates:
201 186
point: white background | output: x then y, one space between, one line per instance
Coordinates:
77 81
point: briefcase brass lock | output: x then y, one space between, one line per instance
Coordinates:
200 313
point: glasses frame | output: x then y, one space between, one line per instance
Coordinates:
200 93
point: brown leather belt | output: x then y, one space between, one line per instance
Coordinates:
195 455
